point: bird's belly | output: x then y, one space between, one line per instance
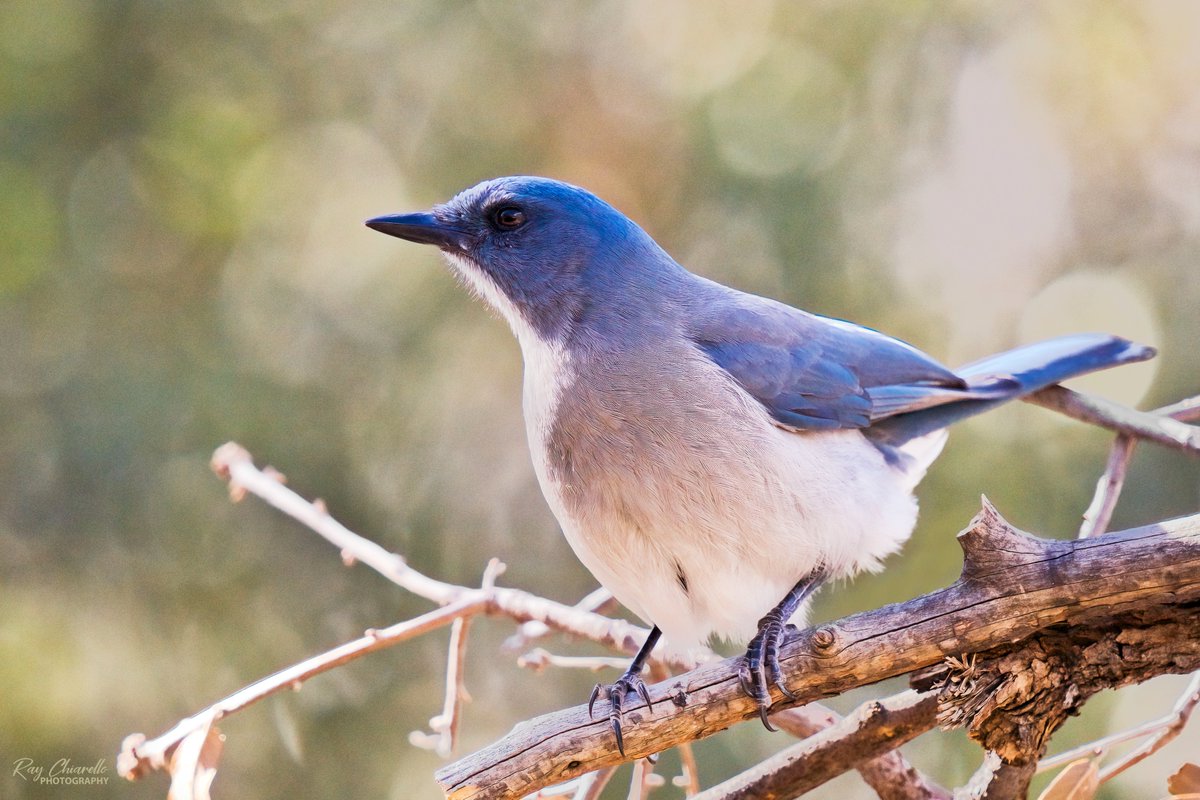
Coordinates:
702 527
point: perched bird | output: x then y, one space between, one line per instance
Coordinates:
712 456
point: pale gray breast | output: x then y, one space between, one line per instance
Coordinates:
643 438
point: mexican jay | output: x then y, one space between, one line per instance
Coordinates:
711 455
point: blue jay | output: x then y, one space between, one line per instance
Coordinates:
712 456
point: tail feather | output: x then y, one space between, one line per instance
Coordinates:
1011 375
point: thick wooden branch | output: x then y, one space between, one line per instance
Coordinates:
889 774
1014 586
878 727
997 780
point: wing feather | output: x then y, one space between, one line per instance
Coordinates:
817 373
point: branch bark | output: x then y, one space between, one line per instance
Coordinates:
878 726
889 774
1014 587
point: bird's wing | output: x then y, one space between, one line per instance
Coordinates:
816 373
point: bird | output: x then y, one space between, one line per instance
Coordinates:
712 456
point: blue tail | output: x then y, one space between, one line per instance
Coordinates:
1009 376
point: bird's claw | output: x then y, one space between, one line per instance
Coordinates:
615 693
760 668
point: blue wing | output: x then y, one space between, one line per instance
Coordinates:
816 373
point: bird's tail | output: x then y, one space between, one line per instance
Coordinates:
1009 376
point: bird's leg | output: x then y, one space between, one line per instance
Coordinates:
762 656
629 683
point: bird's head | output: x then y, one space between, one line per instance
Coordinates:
538 250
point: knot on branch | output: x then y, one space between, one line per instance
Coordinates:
990 544
1011 705
1012 700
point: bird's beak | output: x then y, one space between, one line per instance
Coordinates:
421 227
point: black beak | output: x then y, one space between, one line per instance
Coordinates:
422 227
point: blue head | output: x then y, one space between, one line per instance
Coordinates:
539 250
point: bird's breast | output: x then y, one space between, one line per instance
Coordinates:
678 493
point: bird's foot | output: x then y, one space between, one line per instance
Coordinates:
615 693
760 667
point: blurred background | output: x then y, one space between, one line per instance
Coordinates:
183 262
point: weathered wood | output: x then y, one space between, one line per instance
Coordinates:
889 774
1012 701
879 726
1013 586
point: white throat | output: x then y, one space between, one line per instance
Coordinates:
546 361
487 289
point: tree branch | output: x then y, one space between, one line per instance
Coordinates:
876 727
140 755
890 774
1161 731
991 547
1013 587
1097 411
445 725
232 462
1108 489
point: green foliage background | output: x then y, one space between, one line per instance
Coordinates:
182 262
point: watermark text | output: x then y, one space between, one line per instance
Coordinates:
62 772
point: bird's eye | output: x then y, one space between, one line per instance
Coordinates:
508 218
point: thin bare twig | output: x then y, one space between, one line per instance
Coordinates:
1178 719
597 601
1185 410
232 462
600 779
644 779
1097 411
1108 488
445 725
1099 512
689 777
153 753
538 659
1162 731
456 692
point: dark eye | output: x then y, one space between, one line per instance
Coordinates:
508 218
